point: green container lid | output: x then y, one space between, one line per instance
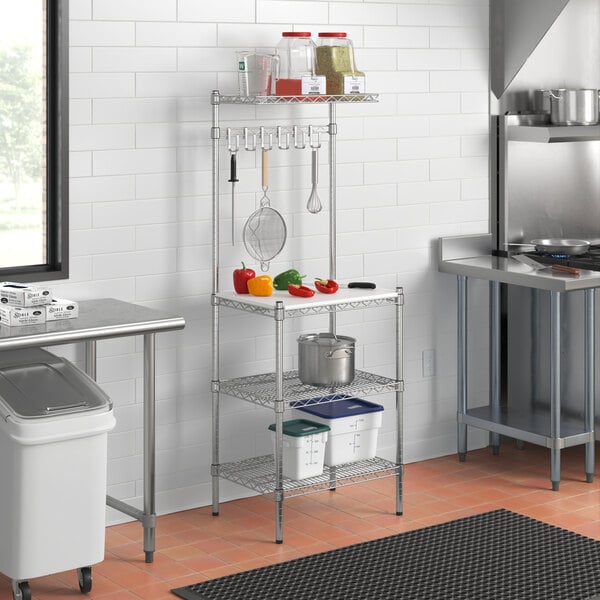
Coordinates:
301 427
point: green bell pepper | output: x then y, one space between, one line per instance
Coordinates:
291 276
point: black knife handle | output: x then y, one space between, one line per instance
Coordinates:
365 285
233 168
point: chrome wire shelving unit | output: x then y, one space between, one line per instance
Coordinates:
281 390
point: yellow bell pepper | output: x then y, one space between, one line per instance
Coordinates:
262 285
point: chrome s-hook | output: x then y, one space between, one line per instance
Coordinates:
249 145
233 141
299 145
283 143
313 137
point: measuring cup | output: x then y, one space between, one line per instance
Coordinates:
256 73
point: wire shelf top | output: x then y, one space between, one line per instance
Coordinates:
325 99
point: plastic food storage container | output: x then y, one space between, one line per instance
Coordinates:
54 423
296 74
354 425
303 447
335 60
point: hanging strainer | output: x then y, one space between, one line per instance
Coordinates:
265 231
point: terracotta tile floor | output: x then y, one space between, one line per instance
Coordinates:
194 545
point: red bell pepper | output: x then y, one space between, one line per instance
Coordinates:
302 291
241 277
326 286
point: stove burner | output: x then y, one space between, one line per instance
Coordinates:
589 260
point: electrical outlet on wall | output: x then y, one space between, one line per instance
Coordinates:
428 363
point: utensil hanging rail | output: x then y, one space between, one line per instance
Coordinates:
264 138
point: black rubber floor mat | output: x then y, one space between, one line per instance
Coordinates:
497 555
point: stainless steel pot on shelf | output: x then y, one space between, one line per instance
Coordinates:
326 359
572 107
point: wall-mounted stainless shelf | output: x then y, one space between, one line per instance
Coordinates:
550 134
358 98
258 474
262 389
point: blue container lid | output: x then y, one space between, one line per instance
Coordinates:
332 407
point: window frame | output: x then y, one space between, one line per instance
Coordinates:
57 153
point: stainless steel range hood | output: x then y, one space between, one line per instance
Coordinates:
516 29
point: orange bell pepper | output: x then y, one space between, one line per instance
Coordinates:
262 285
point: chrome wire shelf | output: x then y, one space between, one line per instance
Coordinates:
262 389
324 99
258 474
303 310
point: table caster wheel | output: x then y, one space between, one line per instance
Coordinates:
495 450
462 456
21 590
84 576
589 477
149 556
555 486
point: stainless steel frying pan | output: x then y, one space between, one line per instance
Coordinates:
570 247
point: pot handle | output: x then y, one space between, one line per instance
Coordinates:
551 94
339 353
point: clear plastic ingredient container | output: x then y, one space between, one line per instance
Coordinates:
296 52
335 60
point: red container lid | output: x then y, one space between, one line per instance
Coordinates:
296 34
339 34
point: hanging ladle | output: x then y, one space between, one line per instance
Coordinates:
314 203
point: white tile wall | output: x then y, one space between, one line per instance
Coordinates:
412 168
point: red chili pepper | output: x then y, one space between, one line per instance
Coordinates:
326 286
303 291
240 279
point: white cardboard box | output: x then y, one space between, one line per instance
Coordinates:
61 308
18 294
19 315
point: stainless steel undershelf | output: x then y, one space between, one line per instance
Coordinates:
258 474
528 426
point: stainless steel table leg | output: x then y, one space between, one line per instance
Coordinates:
495 361
149 522
90 358
555 298
589 363
461 353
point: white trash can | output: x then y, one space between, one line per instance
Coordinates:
54 423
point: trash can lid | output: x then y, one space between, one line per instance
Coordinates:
301 427
35 383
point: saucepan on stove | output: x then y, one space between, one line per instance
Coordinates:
570 247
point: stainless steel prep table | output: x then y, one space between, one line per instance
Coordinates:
102 319
528 427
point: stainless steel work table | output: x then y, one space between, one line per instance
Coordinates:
533 428
102 319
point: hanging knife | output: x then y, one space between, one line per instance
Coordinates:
233 179
534 264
